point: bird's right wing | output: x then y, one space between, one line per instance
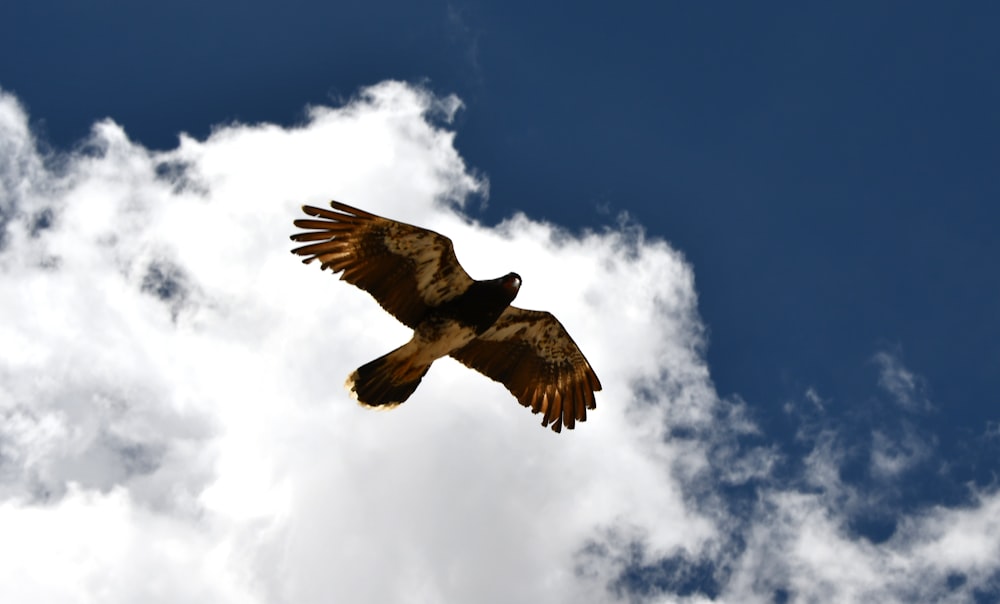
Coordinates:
532 354
406 269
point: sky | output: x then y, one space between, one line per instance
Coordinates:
769 228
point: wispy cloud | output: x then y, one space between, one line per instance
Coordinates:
894 454
907 389
467 38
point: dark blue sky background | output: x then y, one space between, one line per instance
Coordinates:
831 170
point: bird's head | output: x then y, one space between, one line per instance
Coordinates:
511 282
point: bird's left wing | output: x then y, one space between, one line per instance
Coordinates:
406 269
531 353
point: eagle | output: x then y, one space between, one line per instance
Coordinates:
413 274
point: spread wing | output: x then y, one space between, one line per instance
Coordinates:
407 269
530 353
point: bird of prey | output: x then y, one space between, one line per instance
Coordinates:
414 275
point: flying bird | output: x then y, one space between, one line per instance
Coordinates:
414 275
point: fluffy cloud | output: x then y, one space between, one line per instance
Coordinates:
175 426
174 379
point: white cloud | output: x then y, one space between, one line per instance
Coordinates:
174 379
906 388
813 397
892 455
175 427
799 544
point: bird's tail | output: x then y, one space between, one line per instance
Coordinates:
388 380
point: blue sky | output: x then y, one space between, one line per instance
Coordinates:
827 174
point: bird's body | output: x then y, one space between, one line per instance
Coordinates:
414 274
444 330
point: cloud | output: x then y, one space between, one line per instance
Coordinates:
893 455
175 426
906 388
800 550
175 367
466 38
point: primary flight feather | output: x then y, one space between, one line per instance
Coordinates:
413 273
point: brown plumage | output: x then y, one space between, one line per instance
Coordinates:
414 275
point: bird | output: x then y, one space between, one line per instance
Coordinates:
414 274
